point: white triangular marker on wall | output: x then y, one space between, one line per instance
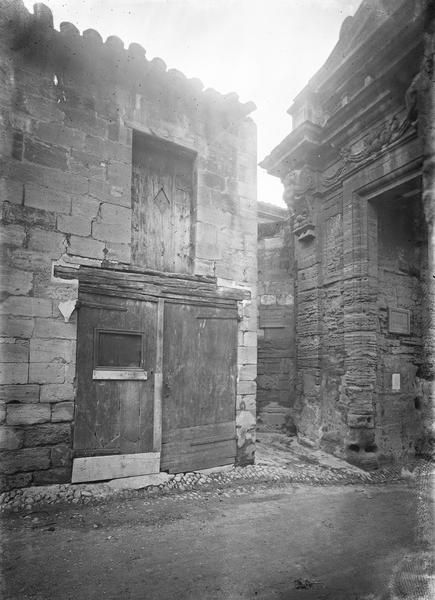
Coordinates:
67 308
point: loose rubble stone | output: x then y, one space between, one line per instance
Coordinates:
239 479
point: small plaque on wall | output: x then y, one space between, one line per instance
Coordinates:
399 321
273 316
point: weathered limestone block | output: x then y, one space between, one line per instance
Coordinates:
250 338
107 149
12 482
86 247
22 394
44 109
211 180
214 215
26 459
247 355
62 411
27 414
26 306
12 235
50 476
51 328
246 387
15 282
84 207
29 217
75 225
14 352
28 260
119 173
47 435
70 372
11 191
245 429
247 372
46 372
120 233
13 372
87 165
105 192
51 242
206 237
49 350
59 134
47 199
61 456
11 438
53 392
246 402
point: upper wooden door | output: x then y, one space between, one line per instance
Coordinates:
116 355
162 192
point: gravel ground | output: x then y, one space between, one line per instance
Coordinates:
280 459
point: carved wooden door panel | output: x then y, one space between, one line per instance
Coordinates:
162 187
116 353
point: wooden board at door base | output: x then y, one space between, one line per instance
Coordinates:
102 468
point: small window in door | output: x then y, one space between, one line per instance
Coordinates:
118 354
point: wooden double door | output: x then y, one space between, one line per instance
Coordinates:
155 387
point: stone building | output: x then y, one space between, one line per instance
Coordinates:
357 170
276 325
128 238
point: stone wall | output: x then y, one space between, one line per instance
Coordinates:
354 177
276 343
68 106
402 268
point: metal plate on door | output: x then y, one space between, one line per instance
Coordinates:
120 374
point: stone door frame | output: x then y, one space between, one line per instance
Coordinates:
360 265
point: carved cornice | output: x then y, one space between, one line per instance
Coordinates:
374 144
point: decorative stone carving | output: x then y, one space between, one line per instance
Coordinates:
304 229
298 186
379 139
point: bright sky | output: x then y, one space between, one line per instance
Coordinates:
264 50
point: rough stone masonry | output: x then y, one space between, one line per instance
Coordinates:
70 106
358 175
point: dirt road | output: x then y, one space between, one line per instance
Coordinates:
292 542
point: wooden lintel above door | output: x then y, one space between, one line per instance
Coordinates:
151 285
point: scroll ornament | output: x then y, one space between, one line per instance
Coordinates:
381 138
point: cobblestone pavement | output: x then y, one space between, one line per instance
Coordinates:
279 460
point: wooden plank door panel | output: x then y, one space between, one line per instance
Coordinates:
199 378
113 417
162 195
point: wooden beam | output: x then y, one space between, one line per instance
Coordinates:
100 468
139 285
158 380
